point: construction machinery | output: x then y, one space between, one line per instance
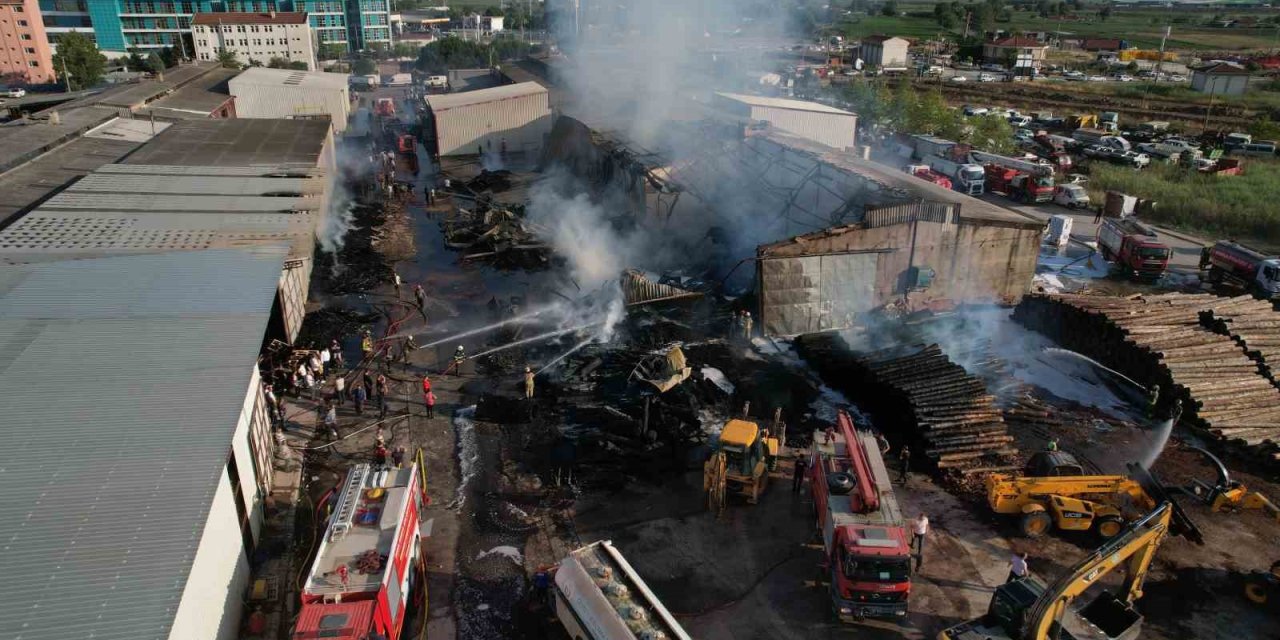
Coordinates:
1057 494
1226 494
1028 609
1261 586
598 596
740 464
867 553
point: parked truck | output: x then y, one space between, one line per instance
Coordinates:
1133 247
1109 121
1050 149
864 535
924 172
1101 138
1233 263
925 146
598 596
1017 178
965 177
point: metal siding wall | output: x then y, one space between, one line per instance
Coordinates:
524 121
210 608
815 293
293 297
253 433
832 129
282 101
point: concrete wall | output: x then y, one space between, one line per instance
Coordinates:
973 262
210 607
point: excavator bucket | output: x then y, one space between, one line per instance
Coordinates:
1181 524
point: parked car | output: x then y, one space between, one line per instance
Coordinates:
1177 77
1097 78
986 77
1071 196
959 79
1117 156
1124 77
970 110
1182 144
15 92
993 67
1023 134
1075 76
1264 148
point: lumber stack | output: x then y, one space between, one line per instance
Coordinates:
923 397
1163 340
1254 325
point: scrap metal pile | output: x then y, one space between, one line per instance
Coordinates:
934 404
490 232
1162 340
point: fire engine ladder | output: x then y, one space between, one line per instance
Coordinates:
348 502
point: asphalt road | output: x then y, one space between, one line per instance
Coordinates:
1186 249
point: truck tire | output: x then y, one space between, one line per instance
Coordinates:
1036 524
1256 591
1215 275
1108 527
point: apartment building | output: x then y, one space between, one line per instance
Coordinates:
125 25
254 36
25 57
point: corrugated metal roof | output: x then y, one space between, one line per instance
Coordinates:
43 235
276 77
481 96
127 377
68 200
783 103
196 185
179 170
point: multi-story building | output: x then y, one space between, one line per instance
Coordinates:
124 25
24 49
254 36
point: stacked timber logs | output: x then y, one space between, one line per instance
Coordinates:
1254 325
1160 340
923 397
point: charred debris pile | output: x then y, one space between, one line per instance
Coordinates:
489 229
1189 345
921 395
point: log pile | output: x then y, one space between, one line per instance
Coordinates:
1161 340
1254 325
930 402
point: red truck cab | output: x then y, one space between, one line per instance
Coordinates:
385 107
1133 247
1019 185
868 557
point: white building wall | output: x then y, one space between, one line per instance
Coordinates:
523 122
836 130
210 607
290 41
255 100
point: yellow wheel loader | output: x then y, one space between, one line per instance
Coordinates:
1056 494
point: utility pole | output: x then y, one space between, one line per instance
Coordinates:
1159 65
66 76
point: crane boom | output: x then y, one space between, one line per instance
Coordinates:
1031 168
867 496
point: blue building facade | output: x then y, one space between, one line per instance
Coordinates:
127 25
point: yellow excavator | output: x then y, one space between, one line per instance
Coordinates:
1028 609
740 464
1055 492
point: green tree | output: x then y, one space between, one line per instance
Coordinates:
169 56
276 62
1132 67
81 60
329 52
1104 12
405 50
154 63
493 12
228 59
297 65
135 62
991 133
254 62
890 8
364 67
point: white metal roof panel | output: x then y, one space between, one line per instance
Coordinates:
505 92
180 170
133 372
783 103
70 200
289 77
197 185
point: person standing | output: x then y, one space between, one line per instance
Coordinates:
366 345
282 413
883 443
797 474
431 405
309 383
380 456
919 529
528 383
904 459
358 397
335 354
395 280
324 361
1017 567
397 457
421 295
383 389
426 385
368 384
459 356
1053 444
340 389
331 420
1097 215
747 322
1153 399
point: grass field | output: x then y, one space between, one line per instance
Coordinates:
1218 206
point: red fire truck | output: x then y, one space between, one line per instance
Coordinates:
867 549
924 172
1016 178
1133 247
369 561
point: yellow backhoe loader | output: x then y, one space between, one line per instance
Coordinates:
740 464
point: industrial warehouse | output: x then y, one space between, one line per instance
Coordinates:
627 335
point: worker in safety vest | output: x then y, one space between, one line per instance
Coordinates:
528 383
